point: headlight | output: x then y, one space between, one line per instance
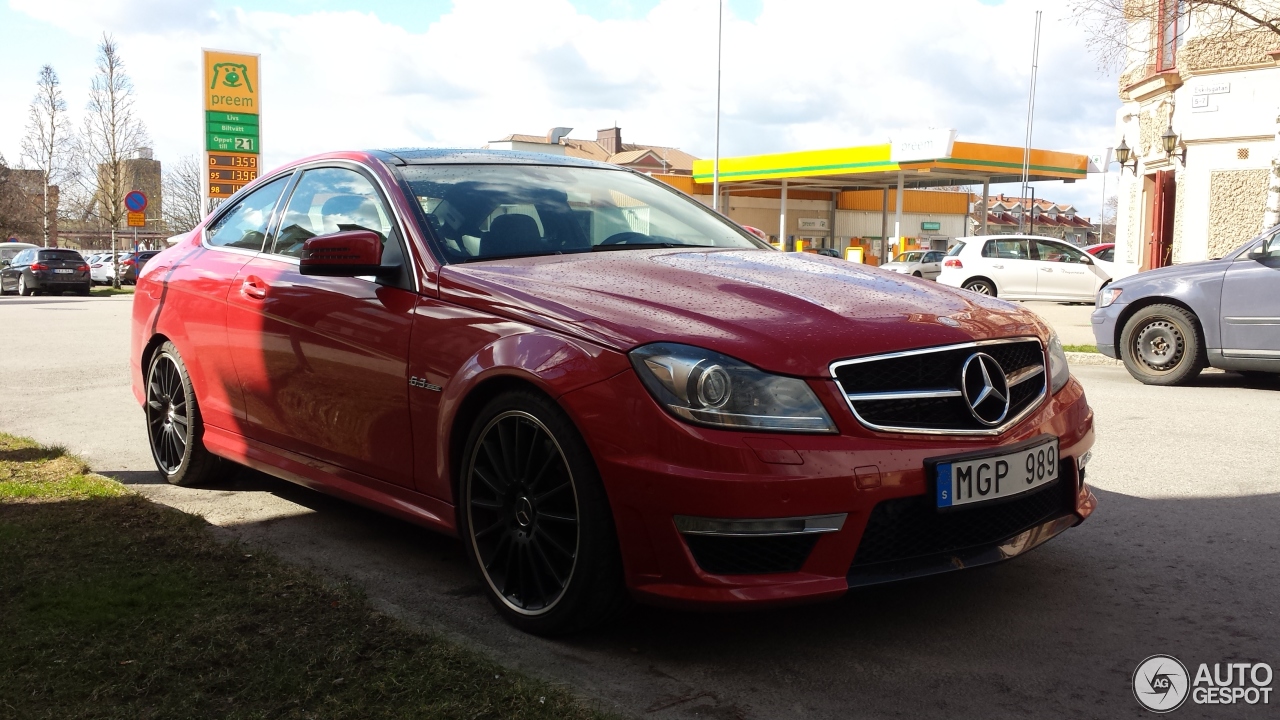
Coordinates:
708 388
1108 295
1059 373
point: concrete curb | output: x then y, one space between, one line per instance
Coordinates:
1088 358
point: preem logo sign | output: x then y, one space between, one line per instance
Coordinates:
230 82
1162 684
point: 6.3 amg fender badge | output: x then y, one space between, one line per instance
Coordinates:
422 383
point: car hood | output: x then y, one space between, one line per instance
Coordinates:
790 313
1184 271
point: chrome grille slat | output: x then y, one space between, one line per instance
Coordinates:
918 391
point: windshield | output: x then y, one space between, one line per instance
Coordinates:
480 212
908 257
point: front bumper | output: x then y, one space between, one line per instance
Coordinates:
1105 323
656 468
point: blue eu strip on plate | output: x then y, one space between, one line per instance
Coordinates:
944 484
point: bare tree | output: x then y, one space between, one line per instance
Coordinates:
48 138
1110 24
112 134
182 194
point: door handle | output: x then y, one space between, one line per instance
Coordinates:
254 287
998 267
1047 269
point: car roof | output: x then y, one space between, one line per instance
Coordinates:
465 156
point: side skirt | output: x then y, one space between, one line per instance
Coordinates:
332 480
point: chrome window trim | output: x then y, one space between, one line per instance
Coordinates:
287 194
1039 400
759 527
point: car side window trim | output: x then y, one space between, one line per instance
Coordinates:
229 207
393 214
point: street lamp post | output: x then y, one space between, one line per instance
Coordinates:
715 167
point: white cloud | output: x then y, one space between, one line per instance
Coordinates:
803 74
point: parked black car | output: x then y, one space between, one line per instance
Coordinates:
52 270
132 263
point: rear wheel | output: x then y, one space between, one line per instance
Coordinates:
535 519
174 426
23 289
1160 345
982 287
917 274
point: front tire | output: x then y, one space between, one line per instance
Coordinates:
982 287
1161 345
535 519
174 425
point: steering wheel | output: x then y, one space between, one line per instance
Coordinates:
624 238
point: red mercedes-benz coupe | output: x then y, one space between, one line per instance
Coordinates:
605 389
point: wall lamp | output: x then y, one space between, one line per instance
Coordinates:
1123 154
1170 142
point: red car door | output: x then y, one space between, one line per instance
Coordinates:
196 291
322 360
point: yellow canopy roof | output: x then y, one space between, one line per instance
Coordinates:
869 166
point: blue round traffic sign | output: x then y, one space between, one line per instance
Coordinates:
136 201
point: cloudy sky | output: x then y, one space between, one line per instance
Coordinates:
798 74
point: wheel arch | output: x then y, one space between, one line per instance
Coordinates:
994 285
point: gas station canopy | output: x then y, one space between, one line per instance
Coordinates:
879 166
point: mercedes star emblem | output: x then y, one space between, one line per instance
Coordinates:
985 389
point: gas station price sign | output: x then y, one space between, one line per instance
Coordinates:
232 113
228 172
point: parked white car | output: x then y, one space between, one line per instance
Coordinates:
1024 267
101 269
920 263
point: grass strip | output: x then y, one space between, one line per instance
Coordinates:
114 607
106 290
1081 348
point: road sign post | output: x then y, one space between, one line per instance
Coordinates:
232 114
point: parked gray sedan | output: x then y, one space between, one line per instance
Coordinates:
1169 324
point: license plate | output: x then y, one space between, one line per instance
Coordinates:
974 480
63 270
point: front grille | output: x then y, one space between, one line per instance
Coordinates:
912 527
720 555
920 391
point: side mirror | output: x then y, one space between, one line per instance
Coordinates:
4 263
1086 259
1257 253
349 253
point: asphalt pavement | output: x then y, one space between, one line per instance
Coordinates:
1180 558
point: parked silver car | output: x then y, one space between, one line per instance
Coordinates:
920 263
1169 324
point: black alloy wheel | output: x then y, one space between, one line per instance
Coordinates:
1161 345
982 287
524 512
174 426
537 525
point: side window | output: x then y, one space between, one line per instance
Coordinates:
1109 255
245 226
1014 249
24 257
330 200
933 257
1053 252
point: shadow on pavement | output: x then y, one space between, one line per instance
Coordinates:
1055 633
